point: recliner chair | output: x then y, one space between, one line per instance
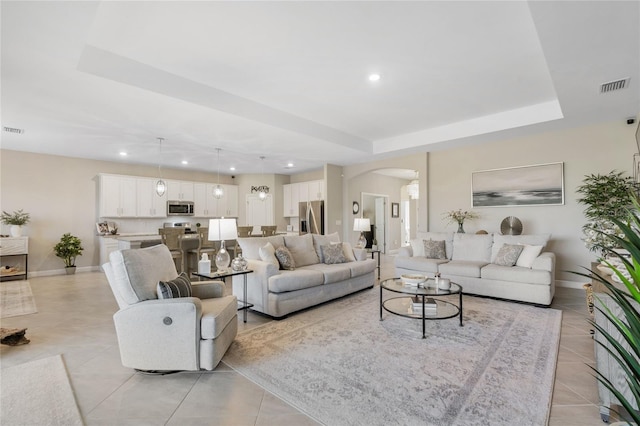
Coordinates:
186 333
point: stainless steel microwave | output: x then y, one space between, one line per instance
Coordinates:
179 208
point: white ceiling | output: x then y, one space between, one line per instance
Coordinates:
288 80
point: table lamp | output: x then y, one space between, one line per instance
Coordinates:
363 225
221 230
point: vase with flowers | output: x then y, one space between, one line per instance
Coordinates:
459 216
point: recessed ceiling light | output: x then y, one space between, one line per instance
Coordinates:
232 169
374 77
289 164
122 153
185 162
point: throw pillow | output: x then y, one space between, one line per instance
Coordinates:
301 248
417 245
348 252
508 255
528 255
333 253
434 249
177 287
268 254
285 259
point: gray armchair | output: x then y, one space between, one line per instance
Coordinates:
187 333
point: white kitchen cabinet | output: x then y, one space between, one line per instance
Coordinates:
206 205
118 196
178 190
303 191
295 193
230 207
203 200
291 197
149 203
316 190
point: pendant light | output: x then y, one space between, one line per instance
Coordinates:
218 191
161 186
262 194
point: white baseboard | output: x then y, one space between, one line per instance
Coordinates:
571 284
53 272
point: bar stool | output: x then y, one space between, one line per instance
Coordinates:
268 230
204 246
172 238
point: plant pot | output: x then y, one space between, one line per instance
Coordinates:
16 230
70 270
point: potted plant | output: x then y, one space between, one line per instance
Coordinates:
68 249
625 350
460 216
606 198
16 220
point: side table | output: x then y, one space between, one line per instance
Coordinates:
373 252
243 305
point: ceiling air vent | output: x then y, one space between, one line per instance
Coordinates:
13 130
614 85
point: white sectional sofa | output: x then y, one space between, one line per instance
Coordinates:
470 260
277 292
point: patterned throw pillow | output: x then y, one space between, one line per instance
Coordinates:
285 259
177 287
333 253
434 249
508 255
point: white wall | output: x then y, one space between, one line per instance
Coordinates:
594 149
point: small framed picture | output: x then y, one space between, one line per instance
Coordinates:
113 229
395 210
102 228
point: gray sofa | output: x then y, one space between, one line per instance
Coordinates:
469 261
277 293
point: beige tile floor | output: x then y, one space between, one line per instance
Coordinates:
74 318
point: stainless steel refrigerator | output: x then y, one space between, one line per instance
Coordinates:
311 217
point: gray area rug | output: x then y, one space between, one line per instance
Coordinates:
38 393
16 299
342 366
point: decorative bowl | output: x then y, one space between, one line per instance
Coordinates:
413 279
444 284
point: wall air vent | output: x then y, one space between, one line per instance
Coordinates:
13 130
614 85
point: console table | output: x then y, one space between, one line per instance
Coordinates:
14 258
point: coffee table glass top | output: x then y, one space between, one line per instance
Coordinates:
428 288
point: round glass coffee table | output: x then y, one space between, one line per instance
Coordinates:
421 302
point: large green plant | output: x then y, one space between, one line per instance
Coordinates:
628 325
606 197
68 249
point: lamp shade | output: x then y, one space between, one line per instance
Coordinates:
222 229
362 225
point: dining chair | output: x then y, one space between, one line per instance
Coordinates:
172 238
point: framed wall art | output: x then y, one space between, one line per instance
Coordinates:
537 185
395 210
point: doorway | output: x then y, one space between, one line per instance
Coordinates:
259 212
374 207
